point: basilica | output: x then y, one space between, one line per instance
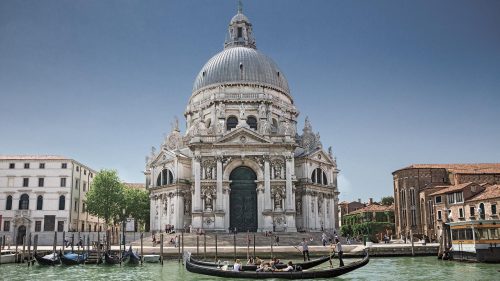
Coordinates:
242 163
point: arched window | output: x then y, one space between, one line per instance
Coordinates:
231 123
62 202
274 126
252 122
481 211
319 177
9 203
24 202
168 178
39 202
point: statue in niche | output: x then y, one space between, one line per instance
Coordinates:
262 110
208 173
264 127
172 208
221 110
312 207
187 207
277 201
298 207
220 128
208 202
242 112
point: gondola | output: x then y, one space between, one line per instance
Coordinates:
72 258
51 259
133 258
111 259
304 265
327 273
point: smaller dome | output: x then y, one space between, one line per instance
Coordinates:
239 17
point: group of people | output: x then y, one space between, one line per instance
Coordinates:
336 246
263 266
169 229
67 243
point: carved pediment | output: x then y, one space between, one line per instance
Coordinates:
321 156
243 136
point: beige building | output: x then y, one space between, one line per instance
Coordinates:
43 194
414 185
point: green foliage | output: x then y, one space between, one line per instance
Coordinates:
371 229
346 230
105 197
388 200
137 204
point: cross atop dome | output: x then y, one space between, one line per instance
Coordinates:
240 31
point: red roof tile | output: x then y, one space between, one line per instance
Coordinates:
473 168
490 192
452 188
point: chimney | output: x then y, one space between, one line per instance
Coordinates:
370 200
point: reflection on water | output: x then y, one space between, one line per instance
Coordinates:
418 268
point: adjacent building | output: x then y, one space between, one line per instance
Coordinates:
242 164
43 194
417 187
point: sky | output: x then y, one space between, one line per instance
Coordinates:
386 83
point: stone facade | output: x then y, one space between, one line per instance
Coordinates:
43 193
241 122
413 185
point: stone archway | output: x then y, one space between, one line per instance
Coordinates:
243 200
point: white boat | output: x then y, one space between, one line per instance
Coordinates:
476 240
152 258
8 256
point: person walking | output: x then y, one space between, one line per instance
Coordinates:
277 240
305 249
338 248
323 239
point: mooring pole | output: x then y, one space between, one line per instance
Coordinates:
197 246
142 248
23 255
55 242
272 255
248 244
161 248
178 249
29 249
411 237
254 245
182 243
98 247
216 250
72 242
234 244
204 247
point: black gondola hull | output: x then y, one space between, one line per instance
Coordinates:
329 273
44 261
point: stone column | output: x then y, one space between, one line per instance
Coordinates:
260 206
179 210
197 184
161 176
219 200
289 204
267 184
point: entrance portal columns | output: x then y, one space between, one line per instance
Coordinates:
197 211
290 196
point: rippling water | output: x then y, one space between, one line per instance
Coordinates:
418 268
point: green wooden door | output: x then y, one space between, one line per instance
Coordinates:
243 200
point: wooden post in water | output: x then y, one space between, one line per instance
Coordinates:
88 244
161 248
204 247
411 237
248 244
142 248
23 255
272 255
120 249
254 245
178 249
72 242
182 242
29 249
197 246
216 250
98 246
55 242
1 241
64 238
35 243
234 244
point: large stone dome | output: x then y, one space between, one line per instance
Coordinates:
241 65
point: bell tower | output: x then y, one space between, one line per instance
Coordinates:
240 31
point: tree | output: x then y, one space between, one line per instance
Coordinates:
136 204
388 200
105 198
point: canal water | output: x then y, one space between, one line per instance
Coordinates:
405 268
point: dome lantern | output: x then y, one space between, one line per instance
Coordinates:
240 32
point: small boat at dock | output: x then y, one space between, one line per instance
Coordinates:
50 259
72 258
477 241
7 256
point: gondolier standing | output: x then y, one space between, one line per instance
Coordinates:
305 249
338 248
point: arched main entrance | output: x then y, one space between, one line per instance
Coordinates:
21 232
243 200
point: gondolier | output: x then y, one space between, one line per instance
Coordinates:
305 249
338 248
